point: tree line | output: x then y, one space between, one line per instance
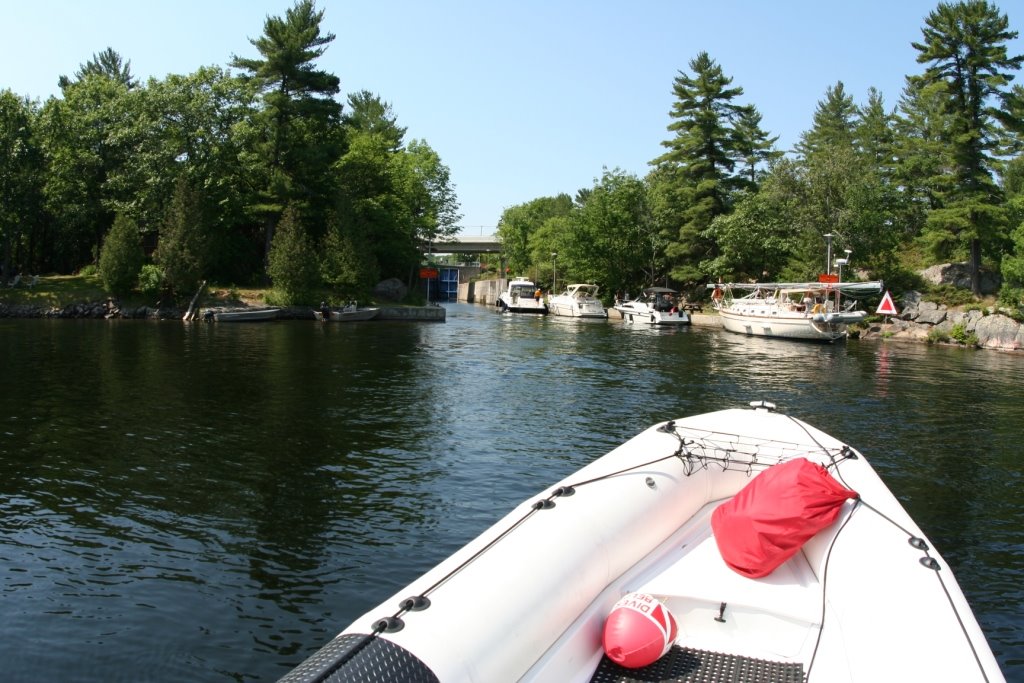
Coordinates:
938 177
261 173
231 176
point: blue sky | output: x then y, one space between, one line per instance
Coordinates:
521 99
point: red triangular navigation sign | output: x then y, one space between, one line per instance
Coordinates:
887 307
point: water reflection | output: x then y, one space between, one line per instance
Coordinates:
258 486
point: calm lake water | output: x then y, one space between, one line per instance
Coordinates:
215 502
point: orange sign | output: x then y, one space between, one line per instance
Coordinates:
428 273
828 277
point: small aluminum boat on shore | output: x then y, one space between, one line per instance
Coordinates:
244 316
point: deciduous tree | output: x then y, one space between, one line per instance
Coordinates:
20 175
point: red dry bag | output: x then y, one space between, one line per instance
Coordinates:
771 518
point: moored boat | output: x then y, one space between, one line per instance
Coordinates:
243 316
655 306
521 296
577 301
349 313
678 514
813 311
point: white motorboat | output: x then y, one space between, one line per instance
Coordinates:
243 316
578 301
816 311
686 514
655 306
521 296
349 313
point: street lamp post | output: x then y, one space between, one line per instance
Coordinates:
554 273
840 262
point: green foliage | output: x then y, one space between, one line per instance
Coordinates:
900 279
427 188
293 265
964 45
896 187
610 239
21 220
181 251
834 123
960 335
347 265
518 224
936 335
369 114
83 141
755 240
698 172
1011 301
121 257
295 135
949 295
1012 266
151 279
106 64
373 211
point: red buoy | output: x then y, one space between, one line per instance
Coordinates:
638 631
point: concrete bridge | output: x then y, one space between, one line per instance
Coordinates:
465 244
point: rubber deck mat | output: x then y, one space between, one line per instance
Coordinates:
684 665
360 659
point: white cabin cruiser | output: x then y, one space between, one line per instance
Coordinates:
858 595
578 301
521 296
656 306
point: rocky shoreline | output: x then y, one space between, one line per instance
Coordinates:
920 321
112 310
926 321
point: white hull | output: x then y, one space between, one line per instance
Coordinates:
527 599
557 305
578 301
786 326
520 297
644 315
813 311
523 306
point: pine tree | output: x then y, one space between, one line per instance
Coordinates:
301 119
108 64
834 123
753 145
699 166
964 46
